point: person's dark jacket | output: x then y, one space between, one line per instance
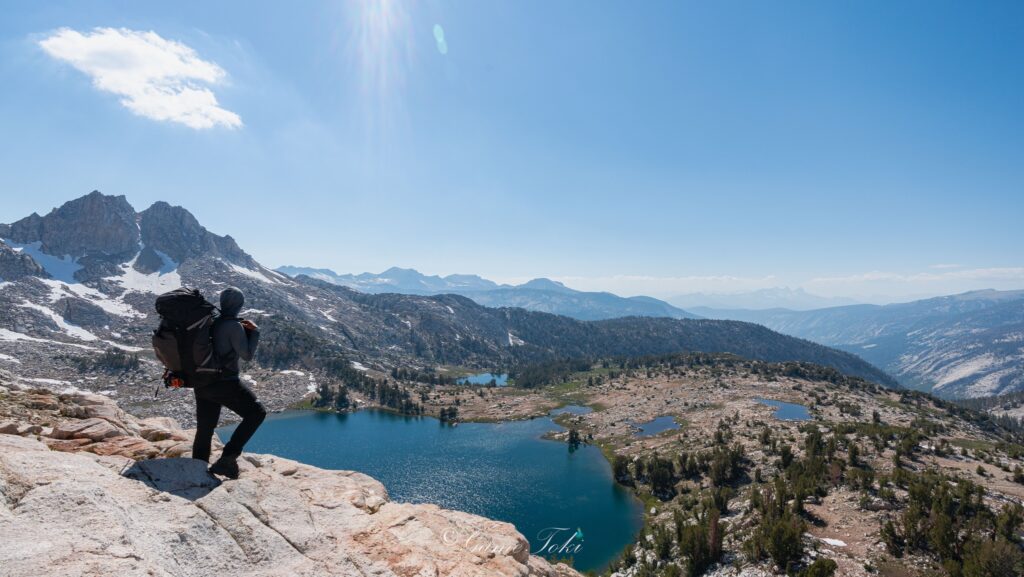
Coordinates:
231 341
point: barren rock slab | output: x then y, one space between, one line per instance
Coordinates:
100 505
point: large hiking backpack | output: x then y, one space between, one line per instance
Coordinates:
184 340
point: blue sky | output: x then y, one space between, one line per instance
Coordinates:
868 148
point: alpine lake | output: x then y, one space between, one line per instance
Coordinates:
565 503
787 411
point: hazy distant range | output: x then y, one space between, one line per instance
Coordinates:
539 294
551 296
966 345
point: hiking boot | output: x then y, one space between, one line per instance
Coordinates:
226 466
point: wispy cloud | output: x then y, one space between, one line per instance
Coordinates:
156 78
944 266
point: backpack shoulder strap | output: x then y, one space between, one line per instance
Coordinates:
217 321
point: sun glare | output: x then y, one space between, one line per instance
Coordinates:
383 45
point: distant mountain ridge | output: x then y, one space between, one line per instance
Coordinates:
80 282
395 279
540 294
965 345
769 298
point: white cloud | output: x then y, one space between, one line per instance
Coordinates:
156 78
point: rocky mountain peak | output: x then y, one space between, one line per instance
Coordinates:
175 232
94 225
545 284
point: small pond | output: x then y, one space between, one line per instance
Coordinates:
656 426
571 410
787 411
498 379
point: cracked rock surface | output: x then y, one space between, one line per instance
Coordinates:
86 489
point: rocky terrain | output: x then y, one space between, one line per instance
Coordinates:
966 345
858 463
77 287
87 489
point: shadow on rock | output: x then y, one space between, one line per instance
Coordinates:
185 478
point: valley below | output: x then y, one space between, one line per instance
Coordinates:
845 465
849 467
649 442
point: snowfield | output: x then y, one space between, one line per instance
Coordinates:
67 328
60 268
61 289
11 336
260 275
48 381
165 279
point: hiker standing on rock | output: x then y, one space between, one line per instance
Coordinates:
233 339
200 350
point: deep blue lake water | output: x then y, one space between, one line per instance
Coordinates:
504 471
655 426
787 411
483 379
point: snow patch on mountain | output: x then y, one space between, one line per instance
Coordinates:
125 348
167 263
67 328
514 341
61 289
45 381
60 268
260 275
161 281
12 336
9 359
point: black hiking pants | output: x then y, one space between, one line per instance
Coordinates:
230 393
